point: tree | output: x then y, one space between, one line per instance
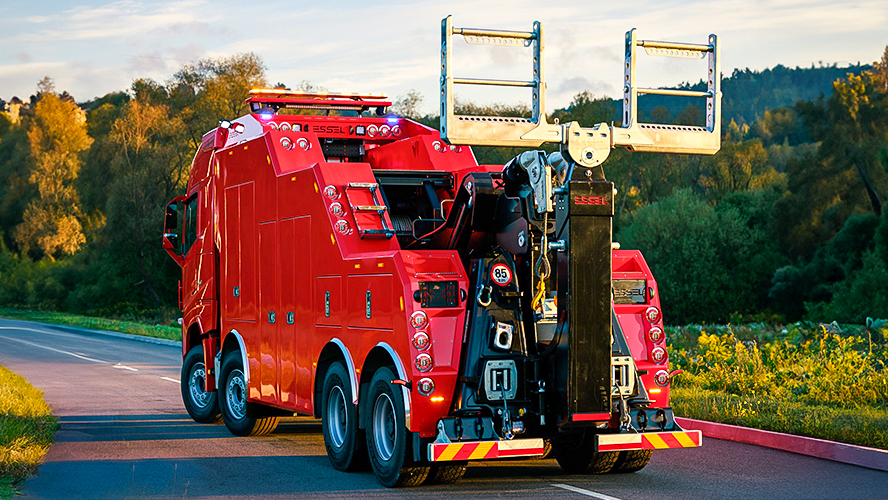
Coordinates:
408 105
57 137
147 169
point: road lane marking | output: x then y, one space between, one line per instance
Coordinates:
87 358
581 491
124 367
172 380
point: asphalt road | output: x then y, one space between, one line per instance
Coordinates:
124 434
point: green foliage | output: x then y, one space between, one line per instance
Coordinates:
27 428
718 256
804 379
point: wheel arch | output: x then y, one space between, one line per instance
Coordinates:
234 341
191 338
382 355
334 351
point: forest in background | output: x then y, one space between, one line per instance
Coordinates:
784 223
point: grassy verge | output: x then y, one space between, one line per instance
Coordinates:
861 426
822 381
26 431
115 325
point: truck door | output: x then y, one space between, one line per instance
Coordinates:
269 313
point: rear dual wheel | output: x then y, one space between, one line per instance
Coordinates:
580 457
233 401
339 419
387 434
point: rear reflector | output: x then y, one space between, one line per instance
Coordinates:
479 450
648 441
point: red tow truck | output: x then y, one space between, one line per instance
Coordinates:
362 268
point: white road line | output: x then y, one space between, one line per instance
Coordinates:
581 491
50 348
124 367
171 380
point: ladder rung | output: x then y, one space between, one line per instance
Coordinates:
674 45
500 83
364 185
682 93
521 35
370 208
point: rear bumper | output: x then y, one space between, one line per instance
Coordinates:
479 450
648 441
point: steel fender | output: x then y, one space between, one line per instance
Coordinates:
243 351
350 365
402 374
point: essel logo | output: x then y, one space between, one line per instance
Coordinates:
328 129
590 200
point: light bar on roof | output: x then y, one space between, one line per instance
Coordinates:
317 94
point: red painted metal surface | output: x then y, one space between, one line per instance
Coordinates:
279 262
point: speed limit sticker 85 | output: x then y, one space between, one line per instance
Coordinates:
501 274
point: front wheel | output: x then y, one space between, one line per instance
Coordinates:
233 401
387 434
202 405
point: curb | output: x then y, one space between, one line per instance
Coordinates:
862 456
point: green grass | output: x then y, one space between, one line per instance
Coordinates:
823 381
861 426
26 431
134 327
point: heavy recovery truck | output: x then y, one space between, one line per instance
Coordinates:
363 268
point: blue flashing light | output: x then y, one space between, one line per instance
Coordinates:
266 116
393 120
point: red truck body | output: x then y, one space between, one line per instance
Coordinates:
363 268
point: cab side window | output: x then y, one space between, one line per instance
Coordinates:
189 235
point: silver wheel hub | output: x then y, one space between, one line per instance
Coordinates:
337 417
197 381
236 394
384 427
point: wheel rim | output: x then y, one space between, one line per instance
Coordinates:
196 383
237 394
337 417
384 427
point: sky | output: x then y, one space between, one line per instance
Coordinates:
92 47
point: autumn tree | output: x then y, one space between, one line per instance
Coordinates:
57 138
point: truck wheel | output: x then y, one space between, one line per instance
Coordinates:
339 419
446 474
233 401
387 434
581 457
202 405
632 461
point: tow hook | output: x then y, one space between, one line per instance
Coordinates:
482 291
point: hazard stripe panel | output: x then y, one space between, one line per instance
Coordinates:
481 450
648 441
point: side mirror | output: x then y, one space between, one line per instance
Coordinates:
171 229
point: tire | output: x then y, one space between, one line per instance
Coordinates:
581 458
446 474
632 461
387 434
202 406
233 401
343 439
